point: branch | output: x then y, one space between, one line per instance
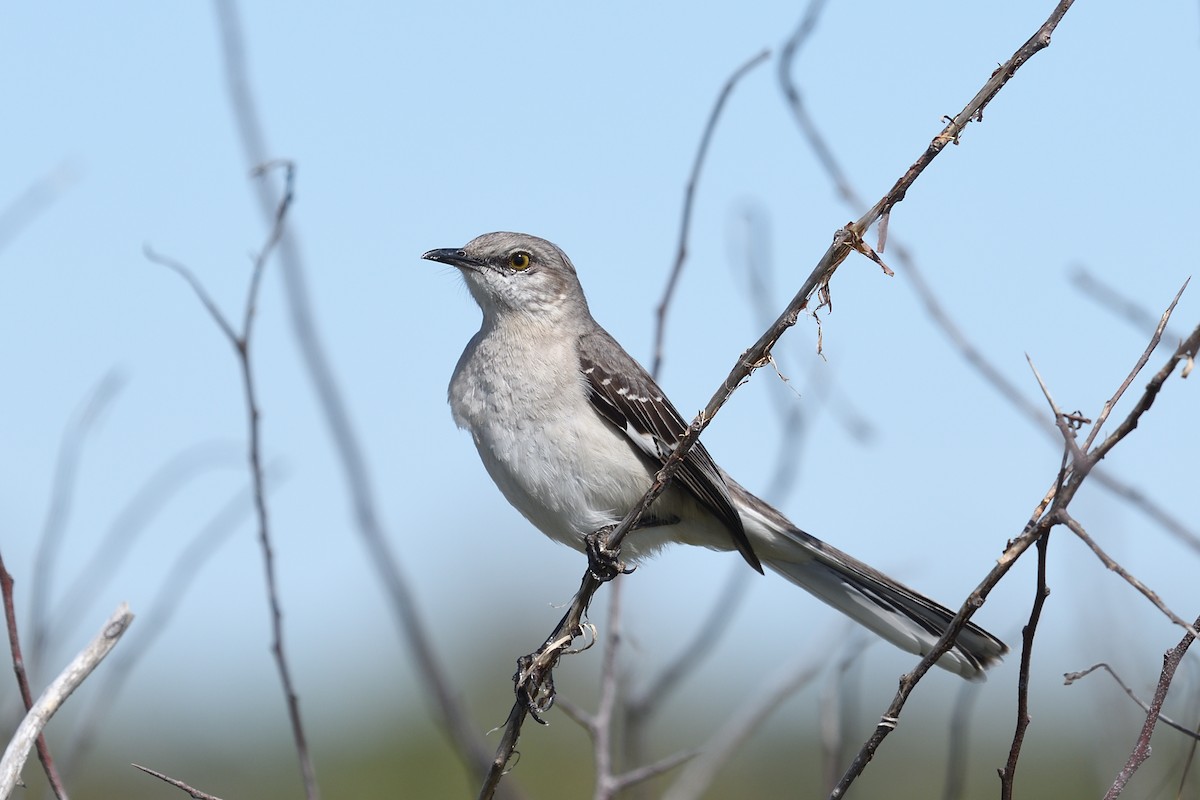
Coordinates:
36 198
688 196
18 662
697 776
62 491
1046 515
1041 592
1141 749
1070 678
1108 561
178 784
240 341
56 694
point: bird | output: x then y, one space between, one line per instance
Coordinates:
572 429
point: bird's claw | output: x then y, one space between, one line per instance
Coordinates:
603 563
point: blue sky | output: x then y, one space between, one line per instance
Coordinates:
419 126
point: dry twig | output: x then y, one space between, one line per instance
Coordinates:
18 662
240 340
56 694
178 784
1141 749
1070 678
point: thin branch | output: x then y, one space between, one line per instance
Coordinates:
1141 749
241 342
1073 524
697 776
449 711
957 758
1141 362
56 694
18 662
713 626
133 519
1041 592
178 784
58 512
1187 350
176 582
688 197
1108 298
602 725
1070 678
642 774
1064 425
34 200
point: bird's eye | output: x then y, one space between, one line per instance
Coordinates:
519 260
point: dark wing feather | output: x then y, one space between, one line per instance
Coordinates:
626 395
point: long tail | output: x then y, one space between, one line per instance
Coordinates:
900 615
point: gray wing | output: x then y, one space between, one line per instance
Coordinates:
625 394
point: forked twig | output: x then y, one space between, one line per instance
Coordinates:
240 341
1141 748
1071 677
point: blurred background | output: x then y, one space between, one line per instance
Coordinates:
415 126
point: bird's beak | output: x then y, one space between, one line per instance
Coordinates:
454 256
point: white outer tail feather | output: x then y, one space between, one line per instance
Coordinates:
894 616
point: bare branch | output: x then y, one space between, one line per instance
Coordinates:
1066 519
689 194
1070 678
70 452
133 519
178 784
642 774
1041 592
36 198
1186 351
956 756
18 662
1060 420
1141 749
1141 362
176 581
56 694
1113 301
698 775
240 341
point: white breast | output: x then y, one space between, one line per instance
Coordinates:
539 437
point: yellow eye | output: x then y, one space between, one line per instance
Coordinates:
519 260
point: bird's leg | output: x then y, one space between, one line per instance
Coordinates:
604 564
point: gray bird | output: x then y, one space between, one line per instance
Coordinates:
572 429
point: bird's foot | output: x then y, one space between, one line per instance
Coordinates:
534 683
603 563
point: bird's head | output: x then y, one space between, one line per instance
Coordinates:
517 273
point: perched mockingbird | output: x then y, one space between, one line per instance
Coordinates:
572 430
